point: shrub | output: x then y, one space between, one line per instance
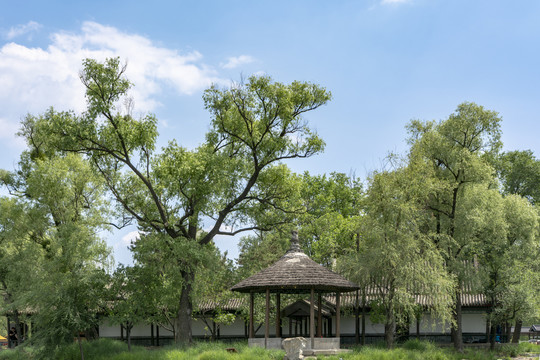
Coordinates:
419 345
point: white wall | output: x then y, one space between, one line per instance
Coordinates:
108 330
473 322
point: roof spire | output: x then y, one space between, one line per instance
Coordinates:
295 245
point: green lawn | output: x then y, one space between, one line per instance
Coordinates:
105 349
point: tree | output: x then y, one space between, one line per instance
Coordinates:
65 283
330 224
126 295
228 182
212 283
510 247
21 227
459 152
327 223
395 258
519 172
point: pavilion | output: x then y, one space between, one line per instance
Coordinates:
295 273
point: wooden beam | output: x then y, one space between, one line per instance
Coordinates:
319 316
278 315
312 318
357 320
267 319
338 310
251 329
364 317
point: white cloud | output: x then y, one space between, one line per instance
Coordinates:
35 78
22 29
128 239
235 61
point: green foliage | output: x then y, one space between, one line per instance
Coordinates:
330 224
419 345
519 172
56 251
232 181
456 157
395 259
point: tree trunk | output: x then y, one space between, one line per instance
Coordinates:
508 332
128 335
183 335
80 345
517 331
389 328
457 332
492 336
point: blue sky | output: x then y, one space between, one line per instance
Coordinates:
385 61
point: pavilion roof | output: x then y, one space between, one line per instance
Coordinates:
295 272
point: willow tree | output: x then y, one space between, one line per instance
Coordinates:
459 151
21 227
395 259
509 227
226 185
63 262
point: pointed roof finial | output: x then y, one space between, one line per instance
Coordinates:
295 245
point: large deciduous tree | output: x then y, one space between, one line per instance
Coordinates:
395 259
460 152
226 185
64 278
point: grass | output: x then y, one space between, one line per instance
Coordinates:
106 349
411 350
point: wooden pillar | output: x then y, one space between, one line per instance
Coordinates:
267 319
330 327
278 315
364 318
338 310
319 316
290 325
152 334
251 329
312 318
357 320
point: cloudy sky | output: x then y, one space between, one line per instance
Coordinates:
385 61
